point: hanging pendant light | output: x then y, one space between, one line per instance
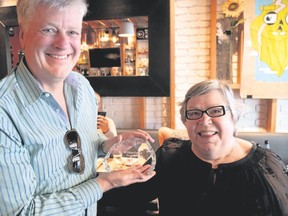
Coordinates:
126 29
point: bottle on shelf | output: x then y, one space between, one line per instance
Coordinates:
267 144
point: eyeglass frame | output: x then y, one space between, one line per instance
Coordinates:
224 109
78 162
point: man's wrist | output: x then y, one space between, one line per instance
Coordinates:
105 185
102 147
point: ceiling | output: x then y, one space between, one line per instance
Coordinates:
139 22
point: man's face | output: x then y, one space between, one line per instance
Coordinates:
52 43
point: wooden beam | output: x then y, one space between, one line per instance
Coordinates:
142 101
240 49
213 46
172 64
272 115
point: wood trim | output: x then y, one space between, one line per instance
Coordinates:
172 74
213 55
172 64
240 50
142 102
272 115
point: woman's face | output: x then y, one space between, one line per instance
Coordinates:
212 137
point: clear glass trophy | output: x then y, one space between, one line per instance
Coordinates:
128 153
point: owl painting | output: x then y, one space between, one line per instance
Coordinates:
269 35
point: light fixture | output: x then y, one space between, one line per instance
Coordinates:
91 35
126 29
104 35
114 37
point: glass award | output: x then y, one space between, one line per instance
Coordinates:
128 153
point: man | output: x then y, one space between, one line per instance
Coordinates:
48 139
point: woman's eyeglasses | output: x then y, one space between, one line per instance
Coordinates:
215 111
72 139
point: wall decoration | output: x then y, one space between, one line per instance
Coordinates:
265 56
229 18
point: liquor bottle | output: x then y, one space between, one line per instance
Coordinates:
267 144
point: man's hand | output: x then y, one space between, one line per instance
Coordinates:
119 178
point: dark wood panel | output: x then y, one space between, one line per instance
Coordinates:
115 9
158 81
8 17
5 57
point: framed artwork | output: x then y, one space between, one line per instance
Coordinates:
265 52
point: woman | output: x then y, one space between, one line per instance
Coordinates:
214 173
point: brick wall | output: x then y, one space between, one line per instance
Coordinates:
192 50
192 37
282 116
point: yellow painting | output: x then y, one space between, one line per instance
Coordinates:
265 51
269 35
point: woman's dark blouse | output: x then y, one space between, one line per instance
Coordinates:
256 185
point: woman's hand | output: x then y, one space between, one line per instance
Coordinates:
119 178
102 124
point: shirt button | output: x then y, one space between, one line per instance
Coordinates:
47 95
58 110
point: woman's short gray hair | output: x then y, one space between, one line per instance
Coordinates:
205 87
26 8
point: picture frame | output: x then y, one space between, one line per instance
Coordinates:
263 50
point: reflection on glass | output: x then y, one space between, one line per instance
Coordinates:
112 55
128 153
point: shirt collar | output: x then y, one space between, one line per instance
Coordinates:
31 87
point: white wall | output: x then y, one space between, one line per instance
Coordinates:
192 51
